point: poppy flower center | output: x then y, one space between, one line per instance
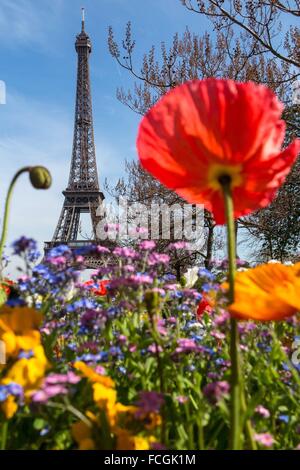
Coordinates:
219 174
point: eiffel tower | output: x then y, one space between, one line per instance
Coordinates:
82 194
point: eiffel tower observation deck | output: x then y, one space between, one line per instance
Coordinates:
82 194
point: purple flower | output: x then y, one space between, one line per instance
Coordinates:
15 389
58 260
25 354
159 446
55 384
100 370
68 378
154 348
216 390
160 291
160 325
61 250
221 319
172 287
140 279
92 317
128 268
206 274
26 246
191 293
125 252
11 389
80 304
101 249
50 391
157 258
212 375
134 280
186 345
147 245
149 402
264 439
122 339
218 335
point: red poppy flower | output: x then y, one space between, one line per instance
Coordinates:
97 288
204 130
203 306
101 289
6 286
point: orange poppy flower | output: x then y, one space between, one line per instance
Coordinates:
267 292
204 130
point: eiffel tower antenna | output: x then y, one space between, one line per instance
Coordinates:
82 194
82 19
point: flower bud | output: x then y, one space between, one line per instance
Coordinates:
40 177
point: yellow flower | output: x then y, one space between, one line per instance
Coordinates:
90 374
267 292
29 372
142 443
121 415
105 397
82 434
153 421
9 407
18 328
126 441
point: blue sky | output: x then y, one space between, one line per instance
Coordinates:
38 65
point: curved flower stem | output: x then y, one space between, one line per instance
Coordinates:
235 418
7 207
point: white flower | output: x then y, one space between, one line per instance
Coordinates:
191 276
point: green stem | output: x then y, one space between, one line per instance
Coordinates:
235 417
186 407
7 207
4 435
238 401
155 335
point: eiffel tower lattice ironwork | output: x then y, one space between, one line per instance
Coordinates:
82 194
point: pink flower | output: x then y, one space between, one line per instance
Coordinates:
218 335
265 439
261 410
214 391
154 348
147 245
181 399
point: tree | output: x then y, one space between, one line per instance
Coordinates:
140 187
276 228
227 55
191 56
260 21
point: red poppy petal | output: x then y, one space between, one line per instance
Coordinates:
203 125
